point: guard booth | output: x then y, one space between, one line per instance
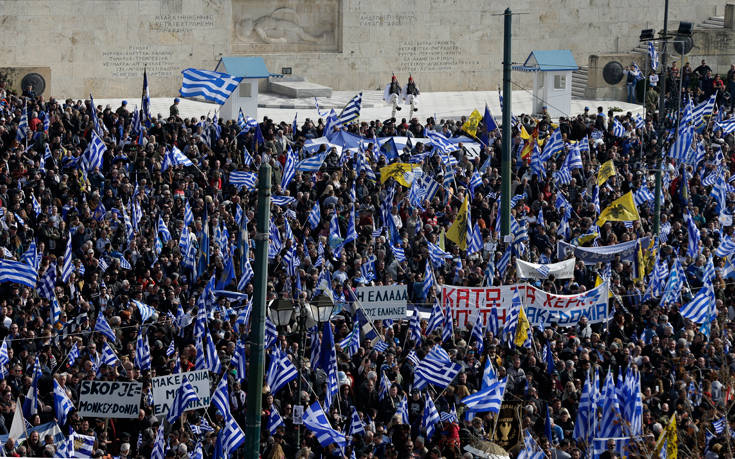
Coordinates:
552 82
252 69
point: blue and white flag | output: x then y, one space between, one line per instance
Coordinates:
316 421
312 164
274 421
185 395
653 55
350 112
142 351
435 372
17 272
357 426
62 404
104 328
701 308
212 86
430 418
280 371
241 179
618 129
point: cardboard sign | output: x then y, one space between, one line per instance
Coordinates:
164 390
109 399
383 302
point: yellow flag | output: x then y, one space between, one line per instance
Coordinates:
621 210
585 238
522 328
400 172
457 233
668 439
641 264
524 133
470 126
606 171
441 240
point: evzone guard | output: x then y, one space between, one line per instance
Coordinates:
411 94
392 94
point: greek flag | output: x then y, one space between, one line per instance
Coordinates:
727 127
212 86
487 399
31 256
584 426
22 131
104 328
554 144
62 404
274 421
726 247
356 424
351 343
478 331
703 109
351 111
188 214
701 307
423 189
73 354
289 170
241 179
280 371
178 158
563 176
311 164
618 129
316 421
642 194
719 425
92 156
475 181
384 386
428 281
159 447
415 332
448 330
328 362
504 261
640 123
437 256
185 395
142 352
509 329
653 55
398 252
694 236
315 216
438 373
475 240
436 319
146 312
430 418
18 272
440 142
610 423
402 410
108 356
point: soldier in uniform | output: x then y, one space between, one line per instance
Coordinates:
392 93
173 111
411 94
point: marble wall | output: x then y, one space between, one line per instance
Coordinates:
102 46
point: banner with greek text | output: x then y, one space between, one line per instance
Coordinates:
542 308
383 302
164 390
109 399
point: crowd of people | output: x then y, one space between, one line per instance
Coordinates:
117 216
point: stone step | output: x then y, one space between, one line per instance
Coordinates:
299 89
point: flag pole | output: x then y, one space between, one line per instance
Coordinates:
507 96
257 335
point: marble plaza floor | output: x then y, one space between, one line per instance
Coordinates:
438 104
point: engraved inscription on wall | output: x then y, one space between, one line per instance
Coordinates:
276 26
181 23
434 56
129 62
387 20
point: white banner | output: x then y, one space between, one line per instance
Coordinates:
109 399
383 302
164 390
562 270
542 308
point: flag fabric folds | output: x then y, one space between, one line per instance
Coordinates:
212 86
620 210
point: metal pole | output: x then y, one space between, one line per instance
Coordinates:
257 328
302 336
506 159
645 114
661 126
